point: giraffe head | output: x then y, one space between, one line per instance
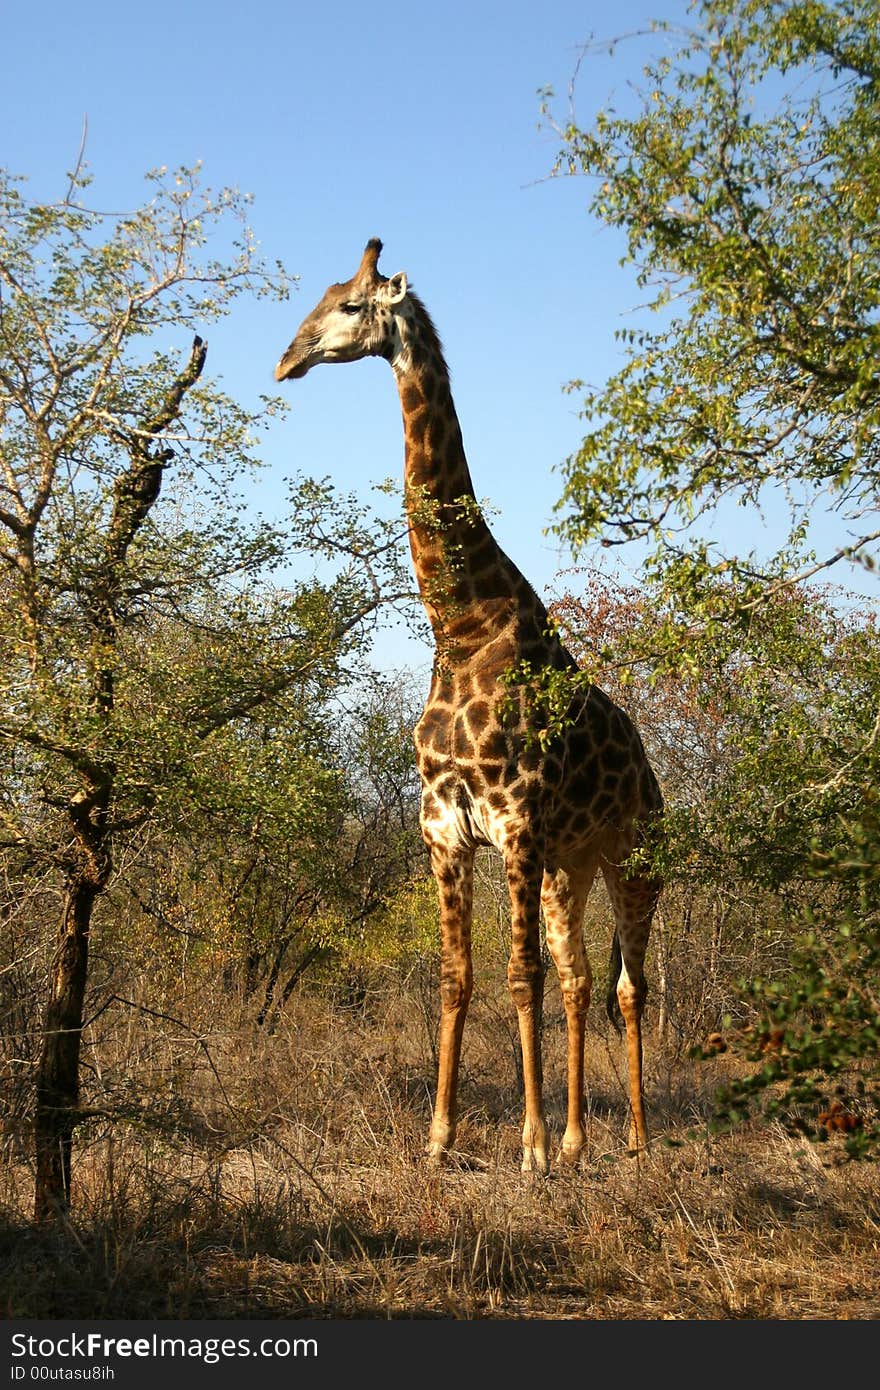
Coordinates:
353 320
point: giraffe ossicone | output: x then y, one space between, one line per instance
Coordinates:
559 810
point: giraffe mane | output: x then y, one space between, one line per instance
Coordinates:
431 338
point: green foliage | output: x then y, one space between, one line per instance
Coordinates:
818 1036
403 930
141 628
747 187
167 706
298 854
766 747
746 181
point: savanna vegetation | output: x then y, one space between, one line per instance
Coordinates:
218 969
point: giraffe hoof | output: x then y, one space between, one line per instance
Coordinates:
573 1143
535 1163
441 1137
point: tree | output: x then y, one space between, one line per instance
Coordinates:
746 181
748 742
747 186
314 836
139 631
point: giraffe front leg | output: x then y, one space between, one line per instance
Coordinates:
525 978
526 992
453 870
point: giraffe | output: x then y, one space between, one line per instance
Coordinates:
559 808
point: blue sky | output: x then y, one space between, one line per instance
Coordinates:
416 123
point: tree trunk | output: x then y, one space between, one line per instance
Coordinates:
58 1072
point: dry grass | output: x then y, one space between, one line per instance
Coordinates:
263 1176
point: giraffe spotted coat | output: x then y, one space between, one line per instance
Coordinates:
559 809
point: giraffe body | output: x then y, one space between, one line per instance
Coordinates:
559 809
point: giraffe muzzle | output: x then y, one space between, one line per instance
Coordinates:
292 365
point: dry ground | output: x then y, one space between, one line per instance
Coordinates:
246 1174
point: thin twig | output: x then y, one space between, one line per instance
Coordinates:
74 178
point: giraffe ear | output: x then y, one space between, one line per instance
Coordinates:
395 288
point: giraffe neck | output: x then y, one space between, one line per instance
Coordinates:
471 590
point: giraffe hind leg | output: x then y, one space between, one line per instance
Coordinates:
633 899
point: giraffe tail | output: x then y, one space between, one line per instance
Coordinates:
614 969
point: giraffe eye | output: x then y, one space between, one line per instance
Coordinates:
351 308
